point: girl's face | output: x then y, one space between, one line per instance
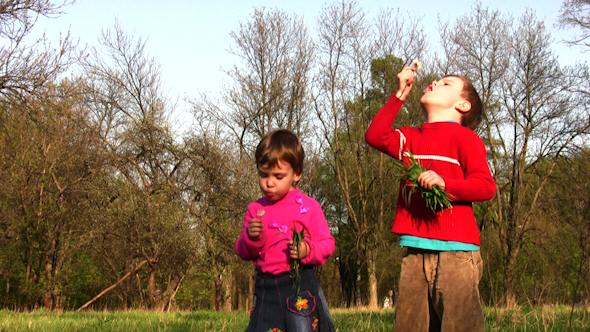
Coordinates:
277 181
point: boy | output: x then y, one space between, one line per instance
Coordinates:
441 270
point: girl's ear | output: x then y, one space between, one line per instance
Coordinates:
297 178
463 106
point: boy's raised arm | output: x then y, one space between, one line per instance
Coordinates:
380 135
406 82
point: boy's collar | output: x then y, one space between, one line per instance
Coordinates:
444 121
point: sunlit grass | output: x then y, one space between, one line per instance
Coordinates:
546 318
357 320
128 321
521 319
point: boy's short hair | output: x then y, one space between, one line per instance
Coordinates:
283 145
472 118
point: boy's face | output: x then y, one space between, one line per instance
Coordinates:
444 94
277 181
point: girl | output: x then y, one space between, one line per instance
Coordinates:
283 302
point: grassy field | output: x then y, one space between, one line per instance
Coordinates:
544 319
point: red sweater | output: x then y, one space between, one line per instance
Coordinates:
454 152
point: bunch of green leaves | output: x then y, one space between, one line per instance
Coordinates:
435 199
295 264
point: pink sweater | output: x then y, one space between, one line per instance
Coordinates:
454 152
271 253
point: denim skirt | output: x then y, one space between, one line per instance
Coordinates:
279 307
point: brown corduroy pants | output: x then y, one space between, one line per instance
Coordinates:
439 291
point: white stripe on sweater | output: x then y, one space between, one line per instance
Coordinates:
435 157
402 142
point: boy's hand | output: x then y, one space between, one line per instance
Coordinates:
303 251
429 179
255 229
406 81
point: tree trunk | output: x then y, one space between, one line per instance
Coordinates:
124 286
125 297
227 282
58 298
251 286
509 279
139 266
47 299
164 299
217 292
153 292
372 271
357 287
176 286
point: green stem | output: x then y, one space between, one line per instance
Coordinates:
436 199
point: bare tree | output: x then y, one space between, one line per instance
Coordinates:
351 86
575 14
46 170
567 203
402 35
530 117
216 200
269 88
26 68
338 25
125 94
42 125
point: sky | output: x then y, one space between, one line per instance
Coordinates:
191 38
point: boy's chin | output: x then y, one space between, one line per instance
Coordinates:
424 104
424 99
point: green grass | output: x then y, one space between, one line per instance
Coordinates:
524 319
527 319
140 321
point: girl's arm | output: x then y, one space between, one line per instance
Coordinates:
246 248
320 240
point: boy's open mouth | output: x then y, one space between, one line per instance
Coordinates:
428 88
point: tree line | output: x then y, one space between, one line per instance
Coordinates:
105 204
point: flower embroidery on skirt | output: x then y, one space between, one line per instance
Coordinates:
301 304
314 323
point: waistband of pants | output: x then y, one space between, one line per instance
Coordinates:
268 275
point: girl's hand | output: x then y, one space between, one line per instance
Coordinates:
255 229
406 81
303 251
429 179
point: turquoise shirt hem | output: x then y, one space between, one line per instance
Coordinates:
438 245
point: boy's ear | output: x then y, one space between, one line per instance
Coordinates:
463 106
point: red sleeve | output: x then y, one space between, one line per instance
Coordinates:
381 136
478 184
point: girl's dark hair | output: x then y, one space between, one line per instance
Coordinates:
472 118
283 145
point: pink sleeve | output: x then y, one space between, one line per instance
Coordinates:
381 136
246 248
320 239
